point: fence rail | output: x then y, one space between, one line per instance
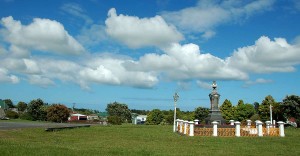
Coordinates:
189 128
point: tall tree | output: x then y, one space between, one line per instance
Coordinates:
227 110
58 113
154 117
244 112
256 107
291 107
21 106
264 108
120 110
201 113
9 103
37 109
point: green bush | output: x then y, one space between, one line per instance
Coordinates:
12 114
115 120
26 116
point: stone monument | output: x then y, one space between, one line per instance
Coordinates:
214 113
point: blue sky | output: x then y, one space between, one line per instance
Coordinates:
140 53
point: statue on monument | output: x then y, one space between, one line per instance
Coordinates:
214 113
214 97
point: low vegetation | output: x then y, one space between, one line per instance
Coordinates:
140 140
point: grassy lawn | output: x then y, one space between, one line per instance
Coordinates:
139 140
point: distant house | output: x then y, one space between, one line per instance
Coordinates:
138 119
76 116
93 117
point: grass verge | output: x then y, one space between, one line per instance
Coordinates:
140 140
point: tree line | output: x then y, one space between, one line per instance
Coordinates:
288 108
39 110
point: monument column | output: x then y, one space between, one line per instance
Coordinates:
214 113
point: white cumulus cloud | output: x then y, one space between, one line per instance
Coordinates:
41 34
138 32
6 77
266 56
208 14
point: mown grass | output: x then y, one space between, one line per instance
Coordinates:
139 140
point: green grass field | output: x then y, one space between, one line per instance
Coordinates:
140 140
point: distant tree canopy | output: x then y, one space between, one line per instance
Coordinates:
85 111
57 113
119 110
37 109
264 108
291 107
227 110
201 113
154 117
9 103
119 113
21 106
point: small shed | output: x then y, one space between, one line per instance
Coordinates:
138 119
77 116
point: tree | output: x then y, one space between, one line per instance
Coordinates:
9 103
243 111
264 108
256 107
57 113
12 114
21 106
227 110
154 117
291 107
201 113
120 110
37 109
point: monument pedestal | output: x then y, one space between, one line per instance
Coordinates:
215 115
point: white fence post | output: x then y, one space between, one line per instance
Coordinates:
281 128
177 123
181 125
231 122
268 124
191 123
237 129
185 126
196 122
249 124
259 128
215 128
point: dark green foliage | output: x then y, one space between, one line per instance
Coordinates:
243 111
227 110
21 106
9 103
12 114
25 116
264 108
255 117
201 113
291 107
256 107
58 113
114 120
140 112
120 110
85 111
37 110
154 117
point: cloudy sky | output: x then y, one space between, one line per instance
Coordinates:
140 53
